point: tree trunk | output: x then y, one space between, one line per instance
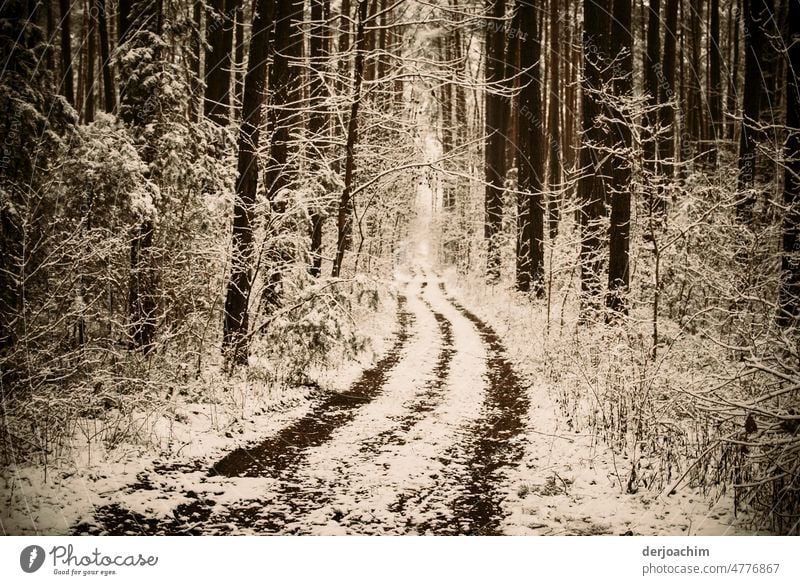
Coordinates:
652 64
696 107
789 297
125 19
109 99
383 41
219 36
530 158
715 80
554 122
370 65
344 216
733 77
66 52
235 328
622 87
495 155
668 94
755 12
318 117
91 40
592 184
285 82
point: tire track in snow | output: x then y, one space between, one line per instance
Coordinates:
345 469
414 470
432 394
473 469
279 452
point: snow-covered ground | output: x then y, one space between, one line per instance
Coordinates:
449 432
425 453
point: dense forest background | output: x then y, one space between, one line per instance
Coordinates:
198 195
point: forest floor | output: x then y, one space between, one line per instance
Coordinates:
441 435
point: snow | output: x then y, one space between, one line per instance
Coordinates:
402 464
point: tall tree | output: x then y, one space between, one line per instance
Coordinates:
318 118
733 71
125 10
668 91
714 79
757 12
67 74
592 184
621 46
91 43
494 151
554 120
530 157
652 64
695 106
109 98
285 82
219 36
344 214
789 298
236 324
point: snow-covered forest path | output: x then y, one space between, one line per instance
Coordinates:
420 443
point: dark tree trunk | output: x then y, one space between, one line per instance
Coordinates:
318 118
125 19
445 114
235 329
733 77
370 38
619 243
715 80
554 122
285 82
693 82
219 36
495 152
668 92
756 12
51 35
91 56
789 298
530 158
345 76
344 216
67 83
109 93
592 185
652 65
511 84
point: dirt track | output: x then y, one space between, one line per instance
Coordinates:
419 444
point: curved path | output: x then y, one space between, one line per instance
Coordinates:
421 443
